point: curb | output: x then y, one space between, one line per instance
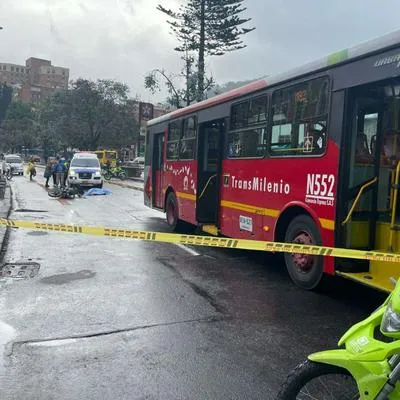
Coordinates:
124 185
5 232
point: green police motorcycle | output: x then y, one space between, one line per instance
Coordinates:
367 366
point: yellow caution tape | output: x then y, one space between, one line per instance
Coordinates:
206 240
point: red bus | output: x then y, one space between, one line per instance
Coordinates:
310 156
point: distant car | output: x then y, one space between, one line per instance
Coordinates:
35 159
138 164
15 161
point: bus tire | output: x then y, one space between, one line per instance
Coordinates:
305 270
172 212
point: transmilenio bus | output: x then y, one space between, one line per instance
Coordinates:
310 156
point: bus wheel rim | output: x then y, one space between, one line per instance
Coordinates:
303 262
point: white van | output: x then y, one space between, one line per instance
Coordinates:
85 170
16 163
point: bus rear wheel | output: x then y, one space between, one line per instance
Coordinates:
172 212
305 270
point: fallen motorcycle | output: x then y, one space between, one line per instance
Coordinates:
66 192
368 367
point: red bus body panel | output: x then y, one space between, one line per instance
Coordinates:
181 177
262 190
276 185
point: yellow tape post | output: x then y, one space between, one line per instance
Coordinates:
208 241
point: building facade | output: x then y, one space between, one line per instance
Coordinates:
34 81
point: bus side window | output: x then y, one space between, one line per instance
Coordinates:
174 134
187 148
299 115
246 138
363 154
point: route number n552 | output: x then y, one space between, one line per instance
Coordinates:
320 189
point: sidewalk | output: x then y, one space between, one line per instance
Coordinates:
5 208
130 184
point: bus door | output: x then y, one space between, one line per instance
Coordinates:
372 144
157 170
208 172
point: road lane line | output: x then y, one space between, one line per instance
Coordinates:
187 249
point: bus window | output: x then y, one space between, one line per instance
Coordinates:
174 134
188 141
247 143
246 138
299 118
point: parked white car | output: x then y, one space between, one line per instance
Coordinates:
16 162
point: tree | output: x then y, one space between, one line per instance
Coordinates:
178 96
207 27
94 107
18 128
124 130
89 115
54 122
5 100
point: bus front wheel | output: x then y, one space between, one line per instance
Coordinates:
305 270
172 212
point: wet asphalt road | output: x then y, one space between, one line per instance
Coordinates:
121 319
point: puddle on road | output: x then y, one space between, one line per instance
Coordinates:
20 270
61 279
37 233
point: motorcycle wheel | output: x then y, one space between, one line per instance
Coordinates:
311 380
107 176
72 192
54 192
122 176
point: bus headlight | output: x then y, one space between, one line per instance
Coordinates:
390 321
72 173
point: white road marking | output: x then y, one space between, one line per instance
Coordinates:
52 343
187 249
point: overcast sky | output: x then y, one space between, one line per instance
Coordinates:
124 39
